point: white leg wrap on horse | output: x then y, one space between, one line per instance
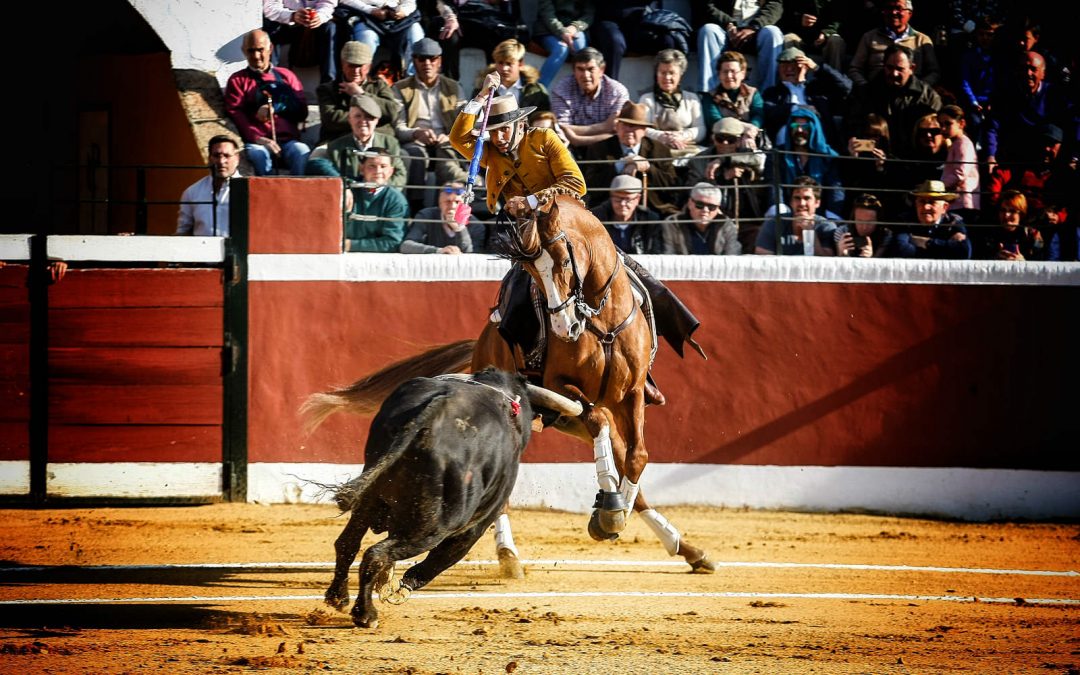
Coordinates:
664 531
606 473
504 538
629 492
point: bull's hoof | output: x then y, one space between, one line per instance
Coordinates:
510 565
365 619
702 566
336 600
597 532
366 623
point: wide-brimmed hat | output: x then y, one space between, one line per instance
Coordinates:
367 103
634 113
356 53
624 183
505 110
933 189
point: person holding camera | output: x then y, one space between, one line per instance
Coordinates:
863 237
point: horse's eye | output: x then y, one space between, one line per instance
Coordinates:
566 263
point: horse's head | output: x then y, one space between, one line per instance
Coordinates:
557 258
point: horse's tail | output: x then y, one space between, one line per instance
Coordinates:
364 396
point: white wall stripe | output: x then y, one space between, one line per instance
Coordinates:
435 595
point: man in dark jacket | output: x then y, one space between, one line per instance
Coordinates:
334 97
805 82
632 227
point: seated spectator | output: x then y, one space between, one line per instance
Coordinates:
303 23
868 166
621 214
898 95
800 232
377 214
1013 240
961 172
344 155
267 105
929 150
429 102
204 206
805 83
561 29
869 58
335 97
939 233
805 152
586 103
1061 237
740 26
397 22
701 228
620 27
864 237
1051 179
630 153
675 113
732 97
517 78
817 24
738 171
435 229
545 119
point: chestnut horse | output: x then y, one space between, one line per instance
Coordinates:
598 349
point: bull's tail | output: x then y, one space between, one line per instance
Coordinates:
364 396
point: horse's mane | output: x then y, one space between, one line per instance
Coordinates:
520 241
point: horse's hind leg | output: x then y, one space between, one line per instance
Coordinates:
672 539
346 547
509 559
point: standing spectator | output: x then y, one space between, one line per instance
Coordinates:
701 228
939 233
733 97
675 113
961 173
874 45
977 66
269 130
805 152
587 103
806 83
743 26
516 77
429 102
480 24
804 202
561 27
630 153
298 22
817 25
373 21
899 96
377 218
344 155
436 230
621 215
620 27
1013 240
204 206
335 97
864 237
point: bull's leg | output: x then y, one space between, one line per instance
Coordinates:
672 539
376 570
509 559
346 547
448 553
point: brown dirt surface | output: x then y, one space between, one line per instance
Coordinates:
752 616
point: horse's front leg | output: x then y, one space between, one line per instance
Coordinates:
611 508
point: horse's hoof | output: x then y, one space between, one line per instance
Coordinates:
611 510
702 566
510 565
597 532
338 602
395 596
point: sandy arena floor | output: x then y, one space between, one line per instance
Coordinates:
795 593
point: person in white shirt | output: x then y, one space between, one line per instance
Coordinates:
204 208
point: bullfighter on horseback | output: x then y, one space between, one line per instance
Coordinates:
528 168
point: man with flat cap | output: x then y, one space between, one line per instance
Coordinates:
345 155
354 79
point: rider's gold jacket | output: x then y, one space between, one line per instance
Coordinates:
543 163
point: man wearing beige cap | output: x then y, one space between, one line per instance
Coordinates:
355 79
344 155
627 220
631 153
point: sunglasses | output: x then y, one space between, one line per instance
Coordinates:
706 206
799 125
931 132
454 191
724 138
426 58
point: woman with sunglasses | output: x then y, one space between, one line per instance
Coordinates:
929 151
701 228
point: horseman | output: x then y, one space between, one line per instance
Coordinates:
527 168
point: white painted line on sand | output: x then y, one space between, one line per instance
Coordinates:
552 563
475 595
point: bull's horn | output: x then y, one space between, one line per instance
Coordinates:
546 398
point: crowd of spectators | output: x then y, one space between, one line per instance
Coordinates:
814 127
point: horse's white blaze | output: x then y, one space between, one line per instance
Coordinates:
664 530
606 473
563 322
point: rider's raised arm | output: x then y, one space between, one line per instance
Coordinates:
461 136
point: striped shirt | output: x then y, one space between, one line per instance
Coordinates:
572 106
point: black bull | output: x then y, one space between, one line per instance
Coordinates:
441 460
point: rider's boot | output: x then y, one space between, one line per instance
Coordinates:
653 395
